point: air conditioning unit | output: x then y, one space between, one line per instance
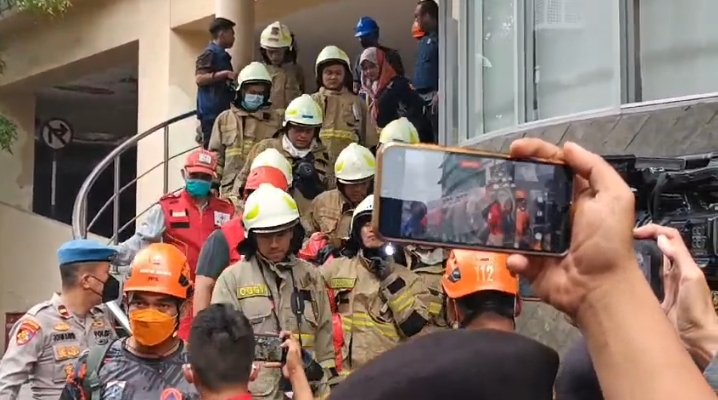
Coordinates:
558 14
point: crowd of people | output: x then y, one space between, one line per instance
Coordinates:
357 99
273 235
377 320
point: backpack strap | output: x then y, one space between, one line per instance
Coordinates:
91 383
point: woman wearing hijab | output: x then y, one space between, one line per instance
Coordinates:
391 96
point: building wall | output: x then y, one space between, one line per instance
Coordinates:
609 75
29 270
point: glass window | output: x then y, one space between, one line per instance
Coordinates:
492 65
449 72
574 54
536 59
677 48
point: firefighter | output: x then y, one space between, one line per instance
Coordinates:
482 292
147 364
184 219
381 303
345 114
297 142
331 211
273 288
221 248
275 42
248 121
44 345
523 221
399 130
429 263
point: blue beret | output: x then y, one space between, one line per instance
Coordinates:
84 250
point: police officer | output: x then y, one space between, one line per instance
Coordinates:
381 303
482 292
274 289
248 121
45 343
297 142
275 45
331 211
345 114
148 364
184 219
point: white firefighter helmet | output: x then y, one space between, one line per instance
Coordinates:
332 53
366 207
255 72
303 111
273 158
275 36
399 130
269 209
354 164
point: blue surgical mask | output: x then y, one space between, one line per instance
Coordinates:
252 102
198 187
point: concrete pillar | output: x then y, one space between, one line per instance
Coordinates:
240 12
166 88
16 169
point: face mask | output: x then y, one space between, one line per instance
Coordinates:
198 187
367 42
110 289
151 327
252 102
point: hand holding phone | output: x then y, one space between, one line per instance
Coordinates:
268 348
458 198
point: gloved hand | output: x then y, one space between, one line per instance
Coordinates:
380 268
306 178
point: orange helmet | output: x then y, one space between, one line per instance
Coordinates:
469 272
270 175
201 161
520 194
416 31
160 268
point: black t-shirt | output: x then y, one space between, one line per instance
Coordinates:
577 379
214 256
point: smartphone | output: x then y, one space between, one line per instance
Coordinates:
268 348
459 198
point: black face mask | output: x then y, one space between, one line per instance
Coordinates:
110 289
367 42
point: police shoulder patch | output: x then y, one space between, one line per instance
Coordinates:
26 332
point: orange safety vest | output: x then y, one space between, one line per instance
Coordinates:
187 228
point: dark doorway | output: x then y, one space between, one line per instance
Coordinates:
74 164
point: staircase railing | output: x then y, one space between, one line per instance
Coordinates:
80 226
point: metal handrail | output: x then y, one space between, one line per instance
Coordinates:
80 227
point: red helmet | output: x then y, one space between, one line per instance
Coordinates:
270 175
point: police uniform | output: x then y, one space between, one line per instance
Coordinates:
321 165
45 343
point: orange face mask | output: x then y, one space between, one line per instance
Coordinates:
151 327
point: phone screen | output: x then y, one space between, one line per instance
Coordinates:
268 347
442 197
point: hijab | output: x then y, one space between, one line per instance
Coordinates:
386 74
